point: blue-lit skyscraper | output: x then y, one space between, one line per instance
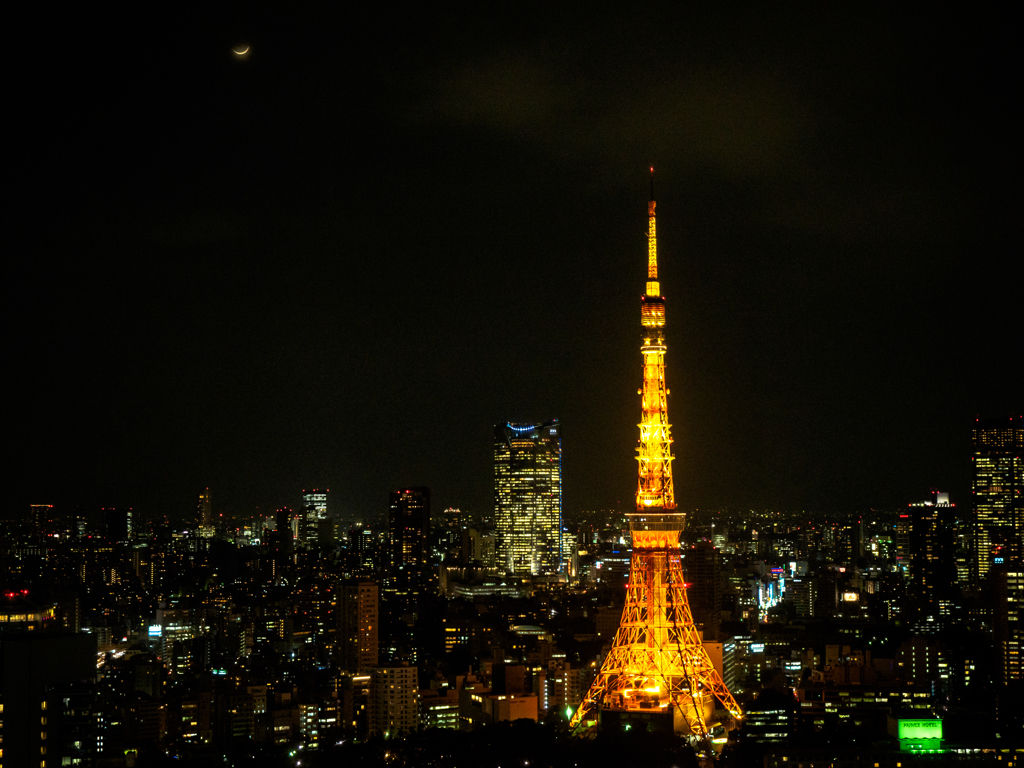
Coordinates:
528 496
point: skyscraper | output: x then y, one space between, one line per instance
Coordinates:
204 510
998 491
393 701
1008 621
41 516
282 542
357 616
408 575
315 528
117 522
408 532
932 569
528 496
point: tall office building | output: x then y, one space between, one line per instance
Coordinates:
528 496
903 542
204 510
363 546
282 542
1008 622
408 531
394 704
930 549
408 576
117 523
315 527
998 491
357 614
41 516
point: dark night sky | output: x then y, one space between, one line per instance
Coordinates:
340 261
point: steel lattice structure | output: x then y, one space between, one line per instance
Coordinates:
657 665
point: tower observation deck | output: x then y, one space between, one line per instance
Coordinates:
657 674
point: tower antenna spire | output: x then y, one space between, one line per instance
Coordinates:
652 182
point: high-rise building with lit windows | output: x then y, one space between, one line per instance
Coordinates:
528 496
408 532
408 576
998 492
315 527
1008 622
393 703
204 513
117 522
930 554
357 613
41 516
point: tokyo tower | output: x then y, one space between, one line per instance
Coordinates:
657 674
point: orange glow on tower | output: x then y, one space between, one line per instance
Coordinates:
657 671
654 488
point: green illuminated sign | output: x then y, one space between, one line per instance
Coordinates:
920 729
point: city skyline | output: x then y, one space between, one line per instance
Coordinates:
247 284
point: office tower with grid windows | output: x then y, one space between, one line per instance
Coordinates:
931 563
394 703
1008 622
357 615
204 514
528 497
315 527
997 489
408 533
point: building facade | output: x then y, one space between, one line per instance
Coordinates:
358 628
528 497
204 510
408 534
117 524
1008 622
998 491
930 545
394 701
316 529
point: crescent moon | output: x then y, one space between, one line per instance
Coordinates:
240 52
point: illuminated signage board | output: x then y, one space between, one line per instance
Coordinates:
757 647
850 597
154 630
920 729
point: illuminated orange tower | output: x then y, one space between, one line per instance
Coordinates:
657 674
